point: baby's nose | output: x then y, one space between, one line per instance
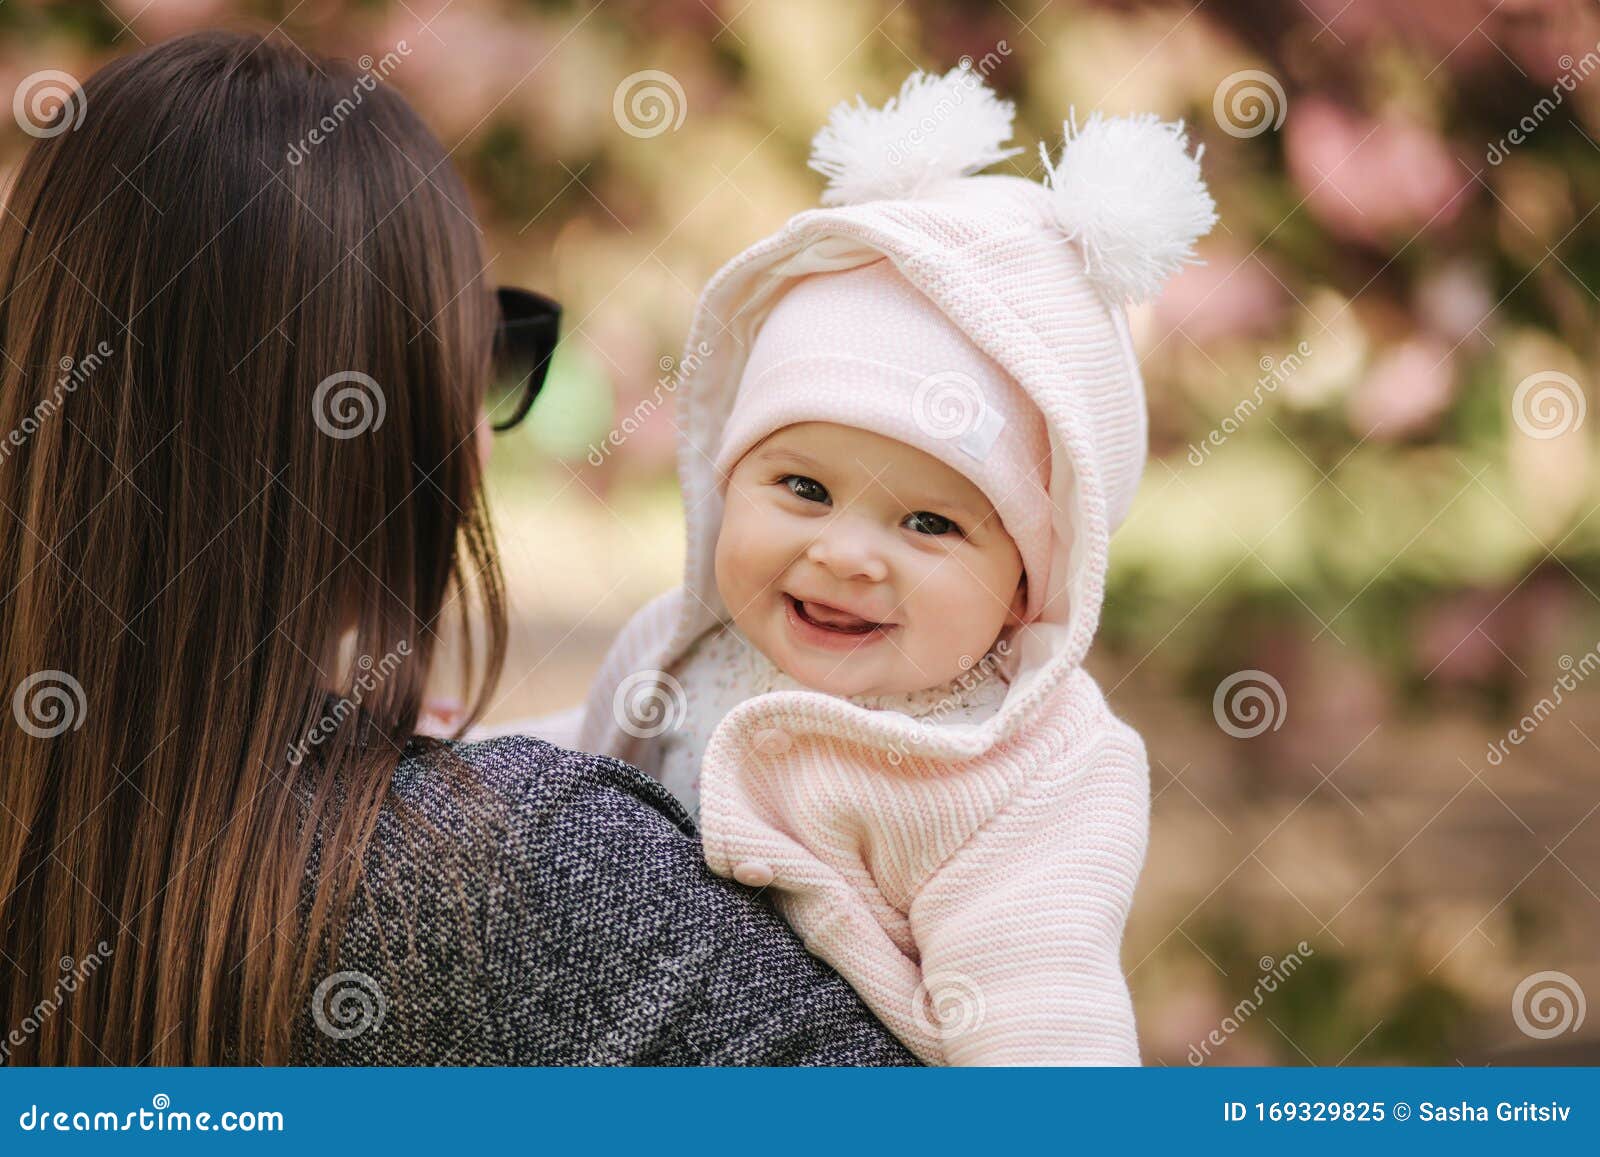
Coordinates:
848 552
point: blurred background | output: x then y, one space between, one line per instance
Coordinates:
1354 612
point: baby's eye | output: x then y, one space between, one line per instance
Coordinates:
808 488
926 522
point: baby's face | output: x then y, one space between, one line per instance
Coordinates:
863 566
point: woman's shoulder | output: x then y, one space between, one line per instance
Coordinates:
519 783
526 904
477 850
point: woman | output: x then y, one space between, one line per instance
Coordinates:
244 375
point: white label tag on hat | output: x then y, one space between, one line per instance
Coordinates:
981 436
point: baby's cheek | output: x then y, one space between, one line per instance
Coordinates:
735 561
945 596
953 611
723 567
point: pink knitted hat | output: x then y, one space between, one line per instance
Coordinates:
864 348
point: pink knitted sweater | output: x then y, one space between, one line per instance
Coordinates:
977 905
971 881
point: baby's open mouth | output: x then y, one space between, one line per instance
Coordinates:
830 618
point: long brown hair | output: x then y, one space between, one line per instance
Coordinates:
246 341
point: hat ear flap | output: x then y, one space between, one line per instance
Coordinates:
1127 190
938 127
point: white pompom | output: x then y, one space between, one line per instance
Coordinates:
938 127
1128 191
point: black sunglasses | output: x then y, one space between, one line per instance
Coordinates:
524 341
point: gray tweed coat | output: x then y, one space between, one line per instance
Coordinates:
527 905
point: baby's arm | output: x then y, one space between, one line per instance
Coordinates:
1021 931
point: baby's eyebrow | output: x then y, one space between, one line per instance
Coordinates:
794 456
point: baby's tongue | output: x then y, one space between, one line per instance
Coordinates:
833 618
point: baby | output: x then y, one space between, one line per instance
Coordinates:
919 423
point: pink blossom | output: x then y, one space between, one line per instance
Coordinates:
1229 295
1406 390
1367 179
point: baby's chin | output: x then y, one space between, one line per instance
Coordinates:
822 676
849 676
